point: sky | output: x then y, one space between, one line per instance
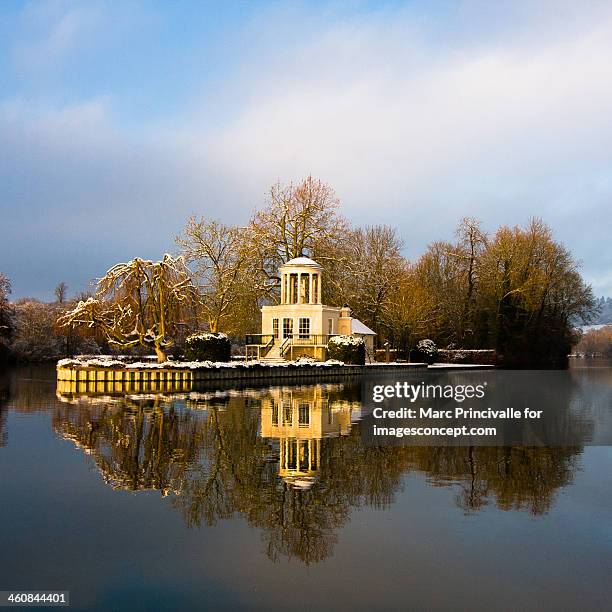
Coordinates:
120 119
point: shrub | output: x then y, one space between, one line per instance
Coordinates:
474 356
349 349
208 346
426 351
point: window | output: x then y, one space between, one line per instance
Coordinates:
303 455
287 328
274 413
304 415
330 326
292 452
275 328
287 413
304 328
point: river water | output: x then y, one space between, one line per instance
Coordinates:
268 498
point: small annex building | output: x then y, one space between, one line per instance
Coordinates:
301 325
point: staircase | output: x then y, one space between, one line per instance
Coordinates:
274 355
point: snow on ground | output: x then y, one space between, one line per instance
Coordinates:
442 366
111 361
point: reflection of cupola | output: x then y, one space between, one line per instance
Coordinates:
300 281
300 419
299 461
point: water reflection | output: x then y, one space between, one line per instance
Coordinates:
290 460
297 419
516 478
4 398
136 443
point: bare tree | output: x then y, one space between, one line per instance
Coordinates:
472 243
297 220
221 267
370 273
139 303
61 292
35 337
408 311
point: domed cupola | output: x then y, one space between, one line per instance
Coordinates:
300 281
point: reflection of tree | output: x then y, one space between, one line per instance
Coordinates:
18 393
241 474
4 397
135 444
518 478
220 458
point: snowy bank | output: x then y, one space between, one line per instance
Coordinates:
112 362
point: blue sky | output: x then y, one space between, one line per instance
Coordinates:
119 119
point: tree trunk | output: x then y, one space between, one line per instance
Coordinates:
161 355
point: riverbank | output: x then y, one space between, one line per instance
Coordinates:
113 376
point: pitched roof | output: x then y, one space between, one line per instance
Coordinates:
357 327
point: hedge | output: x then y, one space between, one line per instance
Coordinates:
426 351
349 349
208 346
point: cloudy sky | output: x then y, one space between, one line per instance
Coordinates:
119 119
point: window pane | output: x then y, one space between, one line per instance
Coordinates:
274 413
304 415
304 327
287 413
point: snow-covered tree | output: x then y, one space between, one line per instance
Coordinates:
139 303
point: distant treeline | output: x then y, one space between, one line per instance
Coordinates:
517 291
596 343
29 332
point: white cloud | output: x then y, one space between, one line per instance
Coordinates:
53 29
408 131
413 136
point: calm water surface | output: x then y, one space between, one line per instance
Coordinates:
268 499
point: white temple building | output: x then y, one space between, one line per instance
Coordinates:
301 324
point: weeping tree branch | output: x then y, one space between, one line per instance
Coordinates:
139 303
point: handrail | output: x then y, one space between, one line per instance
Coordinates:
263 343
284 346
312 339
265 349
260 339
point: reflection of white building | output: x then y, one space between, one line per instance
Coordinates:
301 324
299 419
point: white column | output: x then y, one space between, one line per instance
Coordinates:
310 300
299 288
286 284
